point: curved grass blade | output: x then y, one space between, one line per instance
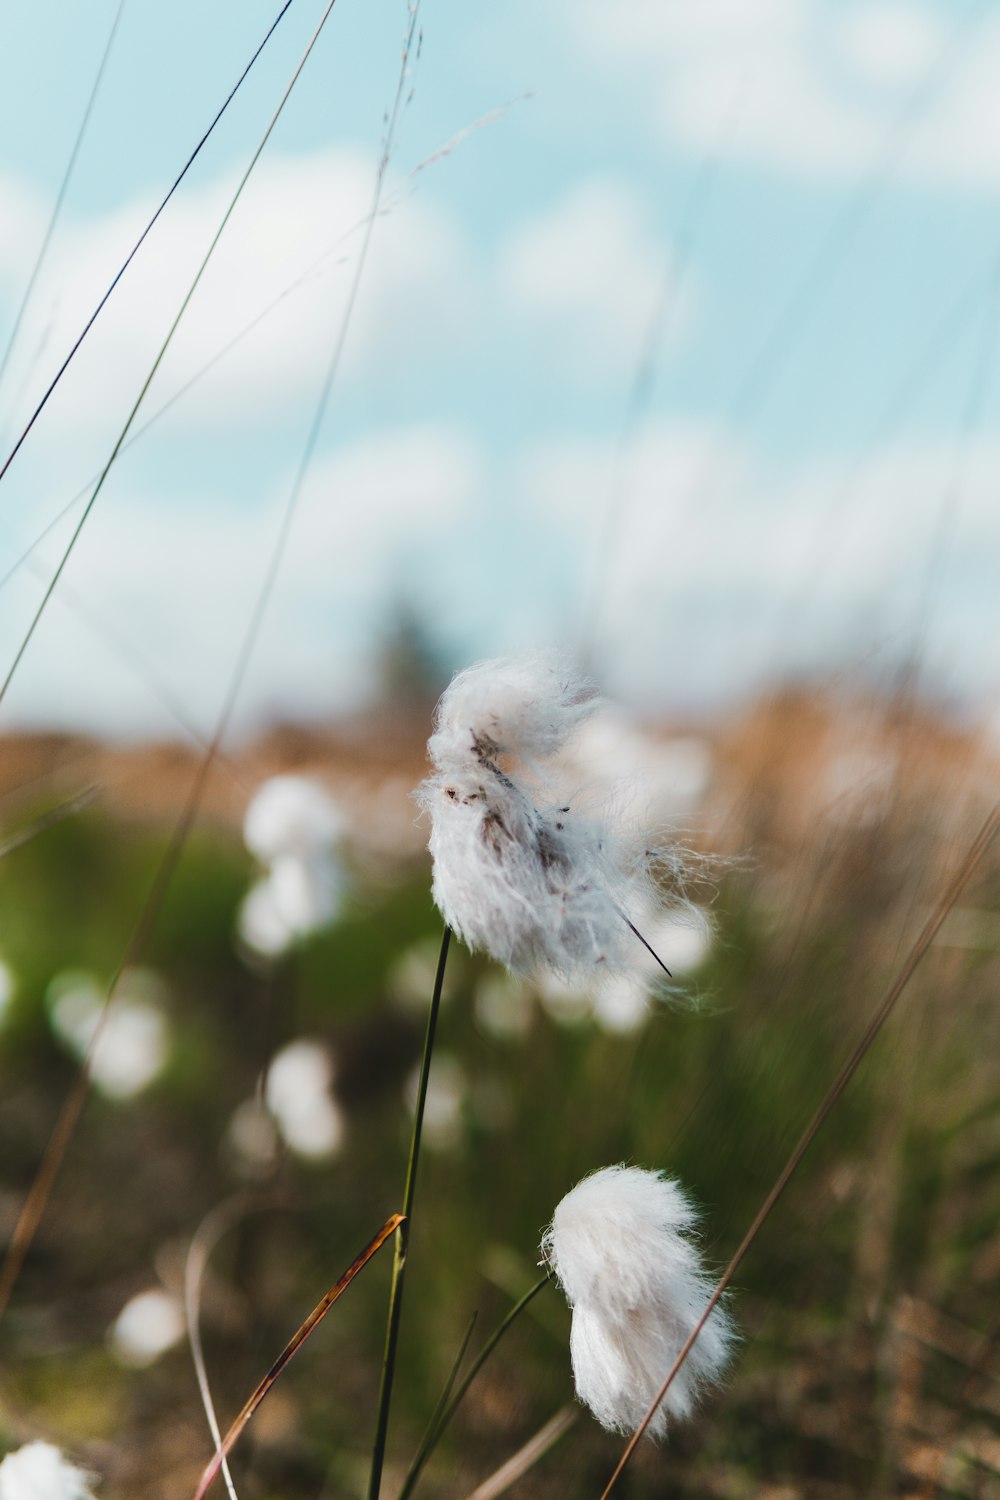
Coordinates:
884 1009
206 1237
293 1346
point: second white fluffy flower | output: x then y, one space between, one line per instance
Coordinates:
38 1471
534 885
620 1244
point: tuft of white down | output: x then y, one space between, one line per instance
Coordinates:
621 1246
38 1471
533 886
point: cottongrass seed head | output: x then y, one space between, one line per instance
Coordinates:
621 1245
517 871
38 1471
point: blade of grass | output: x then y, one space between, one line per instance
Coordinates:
135 248
220 230
49 819
429 1438
525 1458
206 1237
884 1009
61 194
426 1449
41 1188
290 1350
402 1234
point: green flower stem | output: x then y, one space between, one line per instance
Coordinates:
403 1234
437 1428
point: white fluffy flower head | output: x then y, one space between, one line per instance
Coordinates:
621 1246
38 1471
534 885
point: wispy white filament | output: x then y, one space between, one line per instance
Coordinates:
621 1246
517 871
38 1471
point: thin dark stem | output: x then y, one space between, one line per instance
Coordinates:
886 1005
427 1448
61 194
648 947
135 248
403 1232
312 271
160 356
430 1437
290 1350
49 820
38 1195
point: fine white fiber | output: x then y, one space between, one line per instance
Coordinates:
621 1247
517 871
38 1471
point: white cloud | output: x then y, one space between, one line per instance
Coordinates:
814 86
716 572
588 274
176 578
297 222
22 224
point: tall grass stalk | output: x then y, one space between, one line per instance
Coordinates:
41 1188
163 349
436 1430
933 925
204 1241
526 1457
403 1232
135 248
292 1348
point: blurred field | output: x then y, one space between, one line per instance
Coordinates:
867 1305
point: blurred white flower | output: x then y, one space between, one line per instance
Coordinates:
503 1007
565 1000
252 1139
621 1246
260 923
148 1325
38 1471
665 778
291 815
620 1006
134 1042
445 1102
297 1092
411 978
535 887
291 825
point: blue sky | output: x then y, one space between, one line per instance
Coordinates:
784 212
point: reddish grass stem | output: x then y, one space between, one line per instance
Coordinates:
293 1346
878 1020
